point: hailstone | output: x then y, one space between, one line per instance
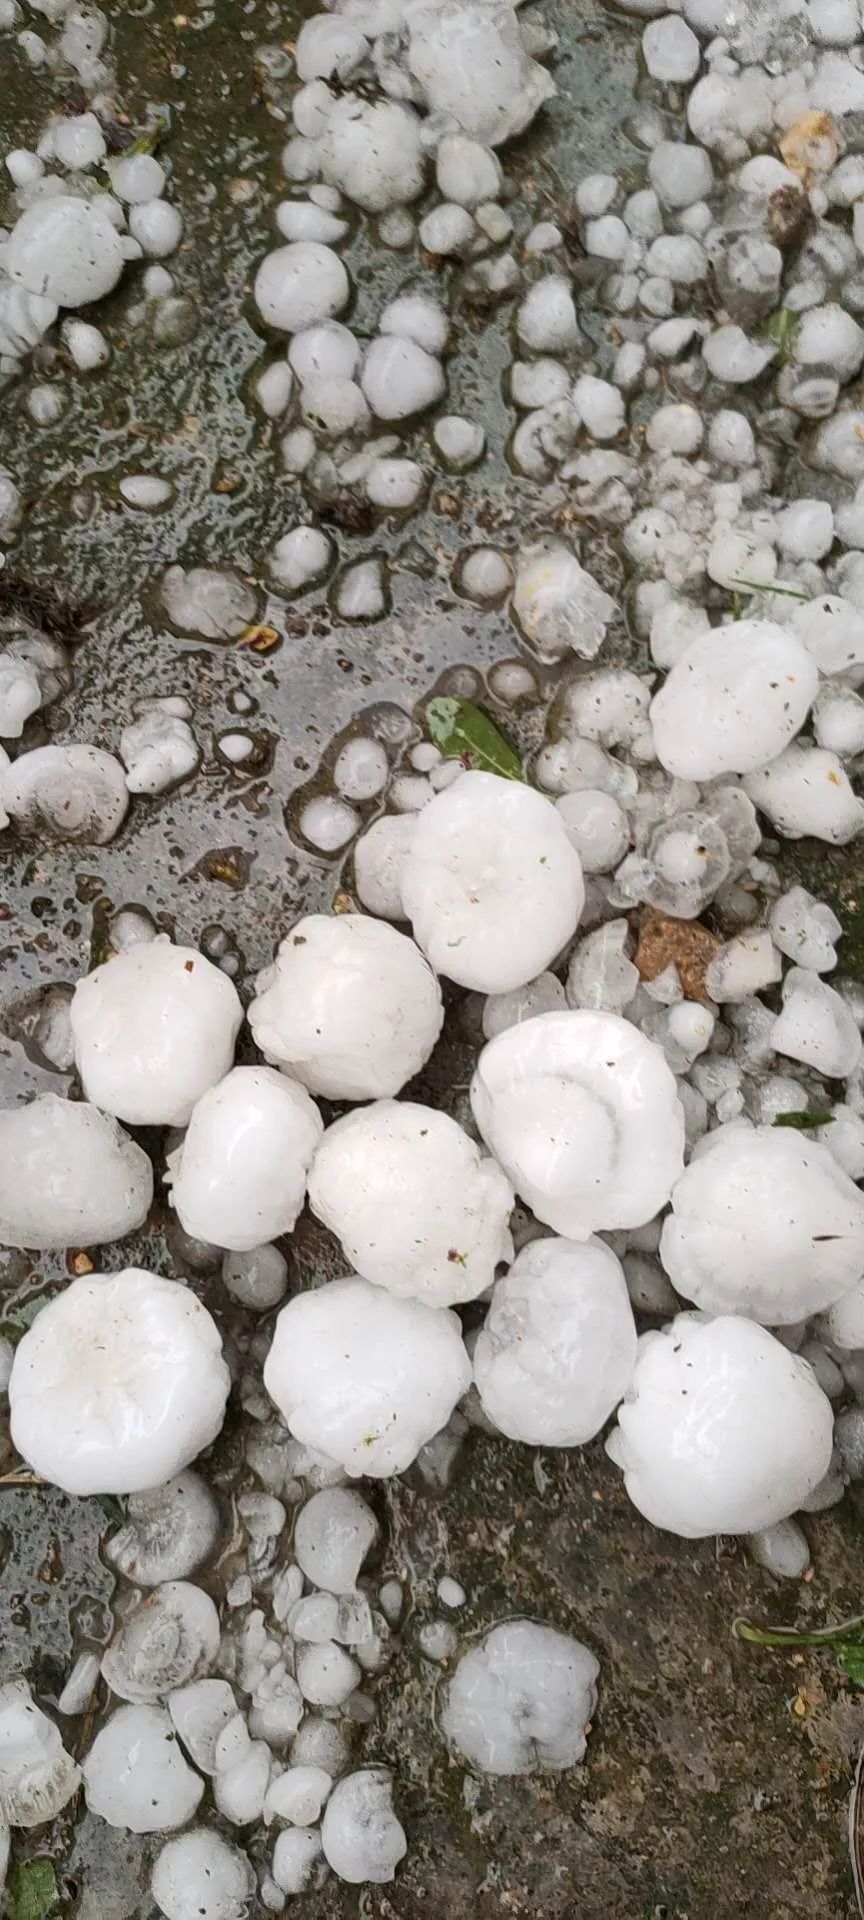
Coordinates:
135 1775
152 1029
69 1176
65 249
360 1834
239 1175
733 701
37 1776
521 1701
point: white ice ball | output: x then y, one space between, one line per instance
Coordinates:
200 1877
807 790
69 1176
153 1028
733 701
400 378
135 1775
239 1175
371 151
300 284
521 1701
360 1834
64 249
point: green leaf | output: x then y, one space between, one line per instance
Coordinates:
153 135
34 1893
781 328
849 1633
464 732
802 1120
851 1660
20 1318
762 586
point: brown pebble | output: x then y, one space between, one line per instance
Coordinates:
685 944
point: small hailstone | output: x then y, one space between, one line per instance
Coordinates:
438 1640
371 151
153 1028
299 557
200 1877
582 1113
135 1775
558 605
144 490
606 238
543 238
485 574
460 442
730 438
816 1026
20 696
734 357
781 1550
361 769
838 721
671 51
328 824
333 1533
23 166
157 283
239 1788
77 1693
74 793
168 1533
302 220
417 317
361 593
68 1175
733 701
597 827
491 883
296 1858
805 929
450 1592
118 1384
329 47
828 338
675 429
546 321
466 172
333 407
326 1675
680 174
743 966
87 347
521 1700
157 227
596 194
538 383
360 1834
447 229
378 857
600 405
326 348
394 484
763 1222
207 601
298 1796
400 378
601 976
158 752
273 389
300 284
37 1776
136 177
503 1010
167 1640
238 1177
752 1441
365 1377
443 1241
805 529
806 790
66 250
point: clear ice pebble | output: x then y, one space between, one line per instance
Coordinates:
300 284
257 1278
69 1176
378 858
491 883
583 1114
158 751
466 171
522 1700
557 1349
333 1533
37 1776
557 605
328 823
371 150
239 1176
733 701
169 1531
299 557
417 1207
200 1877
365 1377
144 490
65 250
135 1775
75 793
806 790
349 1006
805 929
361 1837
400 378
118 1384
723 1429
765 1223
781 1550
153 1028
816 1026
546 321
472 65
204 600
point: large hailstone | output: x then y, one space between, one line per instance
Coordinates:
557 1349
558 605
583 1114
66 250
37 1776
471 62
360 1834
723 1430
491 883
76 793
418 1208
733 701
199 1876
764 1222
371 151
135 1775
118 1384
152 1029
69 1176
521 1700
349 1007
298 285
239 1175
364 1377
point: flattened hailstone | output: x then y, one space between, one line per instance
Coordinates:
171 1638
416 316
360 1834
20 696
558 605
208 601
417 1207
816 1026
135 1775
583 1114
328 46
37 1776
546 321
349 1007
65 250
200 1712
805 929
333 1533
299 557
521 1700
69 1176
466 171
490 882
73 793
365 1377
807 790
200 1877
371 151
300 284
723 1430
239 1174
400 378
153 1028
158 751
378 858
733 701
765 1223
296 1859
557 1350
168 1533
118 1384
471 62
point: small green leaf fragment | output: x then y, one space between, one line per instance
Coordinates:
34 1892
781 328
802 1120
851 1659
764 586
464 732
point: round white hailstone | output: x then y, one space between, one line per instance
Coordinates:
460 442
349 1007
734 357
135 1775
521 1700
200 1877
157 227
805 530
371 151
557 1350
466 172
394 484
671 51
764 1223
816 1026
326 1674
168 1533
64 250
743 966
69 1176
807 790
158 752
360 1834
328 824
596 194
24 166
333 1533
118 1384
238 1177
832 630
361 769
239 1786
144 490
679 174
723 1430
399 378
503 1010
298 1796
473 67
296 1858
838 721
258 1278
153 1028
843 1324
538 383
20 696
583 1114
781 1550
361 592
491 884
447 229
546 321
828 338
730 438
333 407
299 557
734 700
607 238
558 605
675 429
200 1712
327 47
37 1776
273 389
300 284
171 1638
75 793
418 1209
302 220
378 858
86 346
326 349
136 177
485 574
415 316
597 827
365 1377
